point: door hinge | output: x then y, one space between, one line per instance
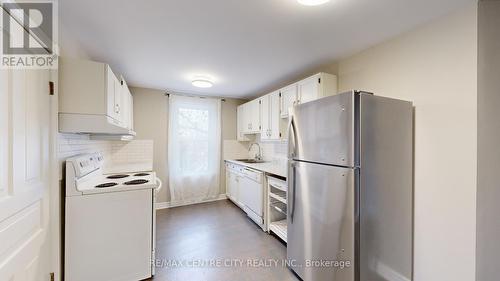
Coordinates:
52 276
280 135
51 88
260 127
260 101
319 80
280 94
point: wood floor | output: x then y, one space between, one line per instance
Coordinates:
217 232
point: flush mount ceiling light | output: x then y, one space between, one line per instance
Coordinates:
202 82
312 2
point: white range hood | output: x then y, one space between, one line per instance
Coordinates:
92 124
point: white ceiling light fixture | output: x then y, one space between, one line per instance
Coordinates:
313 2
202 82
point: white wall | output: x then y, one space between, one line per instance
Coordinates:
435 66
488 191
151 122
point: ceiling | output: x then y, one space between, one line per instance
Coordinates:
246 46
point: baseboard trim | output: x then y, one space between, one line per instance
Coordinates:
167 205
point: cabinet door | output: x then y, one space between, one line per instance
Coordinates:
114 96
238 190
229 184
131 111
254 116
288 99
110 93
265 115
241 123
126 109
247 122
308 89
119 101
274 116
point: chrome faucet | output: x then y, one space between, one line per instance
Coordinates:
258 156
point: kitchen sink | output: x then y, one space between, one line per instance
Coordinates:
250 161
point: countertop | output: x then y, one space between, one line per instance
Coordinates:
278 168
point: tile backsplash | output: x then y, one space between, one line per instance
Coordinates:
120 156
272 151
136 155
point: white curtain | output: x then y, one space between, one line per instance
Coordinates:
194 148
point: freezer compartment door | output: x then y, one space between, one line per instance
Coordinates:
322 131
321 221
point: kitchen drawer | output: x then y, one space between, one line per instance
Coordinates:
277 183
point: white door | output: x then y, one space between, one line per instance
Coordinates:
288 99
264 118
308 89
24 175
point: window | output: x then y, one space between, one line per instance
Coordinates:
194 154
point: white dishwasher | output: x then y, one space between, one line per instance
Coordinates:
252 194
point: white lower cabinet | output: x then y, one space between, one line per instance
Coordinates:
233 179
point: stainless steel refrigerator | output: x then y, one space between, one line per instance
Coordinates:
350 189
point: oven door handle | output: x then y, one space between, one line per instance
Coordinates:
159 184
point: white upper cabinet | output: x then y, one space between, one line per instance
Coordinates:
249 115
308 89
315 87
92 99
241 123
254 116
288 99
266 115
276 125
271 127
113 95
127 110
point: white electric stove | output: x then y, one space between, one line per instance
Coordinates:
109 222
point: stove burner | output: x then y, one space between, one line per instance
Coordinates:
134 182
117 176
108 184
141 175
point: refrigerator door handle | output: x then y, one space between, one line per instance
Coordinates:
292 182
292 138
